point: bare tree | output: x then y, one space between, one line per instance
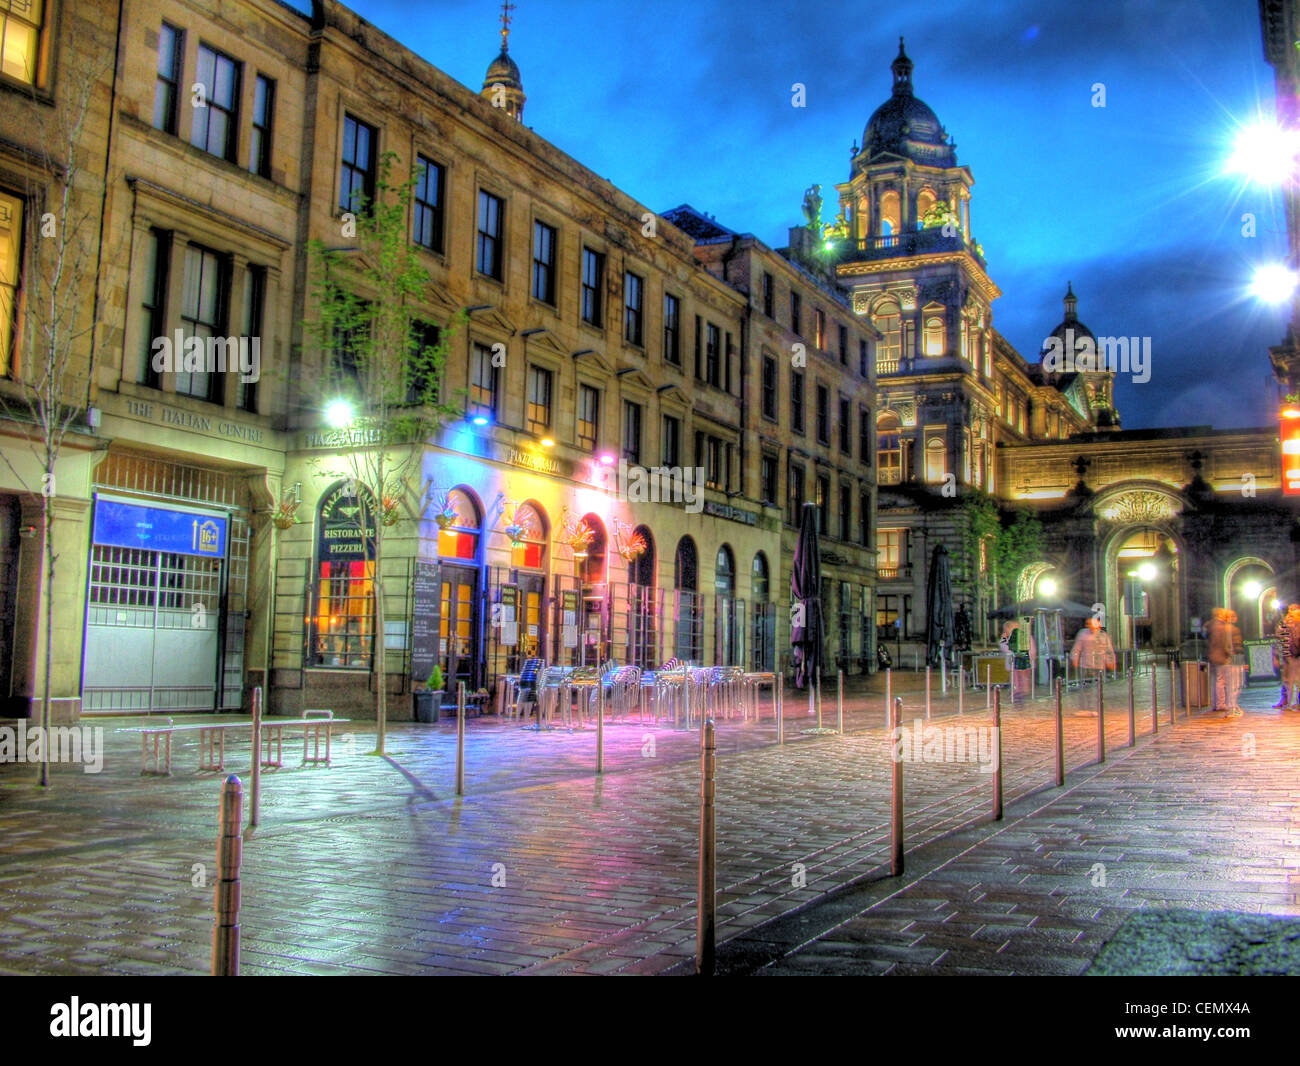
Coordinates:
382 374
55 352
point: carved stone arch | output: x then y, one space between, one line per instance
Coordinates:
1147 503
1235 567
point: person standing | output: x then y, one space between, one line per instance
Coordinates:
1224 643
1092 649
1286 654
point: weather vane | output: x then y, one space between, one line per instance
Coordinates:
506 8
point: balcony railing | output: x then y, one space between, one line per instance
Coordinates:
914 242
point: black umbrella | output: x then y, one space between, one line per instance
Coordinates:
807 627
938 607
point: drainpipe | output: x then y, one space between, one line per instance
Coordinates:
743 357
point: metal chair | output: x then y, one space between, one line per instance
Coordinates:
525 688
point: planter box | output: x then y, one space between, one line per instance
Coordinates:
426 706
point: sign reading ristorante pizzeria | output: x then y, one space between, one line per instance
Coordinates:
347 524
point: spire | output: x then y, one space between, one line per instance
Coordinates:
506 8
902 68
1071 304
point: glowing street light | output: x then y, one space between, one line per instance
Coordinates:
1147 571
1251 589
1264 153
1047 586
1273 283
338 413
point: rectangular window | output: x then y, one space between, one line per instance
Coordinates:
823 415
823 502
356 165
767 479
672 449
588 417
203 315
864 519
819 328
715 449
633 287
699 348
712 346
844 345
491 228
864 435
632 432
350 345
846 426
154 305
215 124
672 330
166 93
429 201
796 493
846 511
593 281
11 252
769 388
864 368
482 382
889 549
796 401
544 263
259 142
539 400
768 289
422 379
795 313
254 308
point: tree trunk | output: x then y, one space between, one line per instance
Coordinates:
381 671
46 523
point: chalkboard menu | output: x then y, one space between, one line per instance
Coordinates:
424 621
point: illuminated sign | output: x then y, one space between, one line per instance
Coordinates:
128 525
1290 435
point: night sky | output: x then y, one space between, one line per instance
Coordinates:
691 103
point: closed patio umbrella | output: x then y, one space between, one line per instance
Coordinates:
807 627
938 608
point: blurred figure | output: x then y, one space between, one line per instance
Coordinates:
1018 646
1286 654
1092 649
1224 644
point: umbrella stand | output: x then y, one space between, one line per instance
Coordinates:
818 729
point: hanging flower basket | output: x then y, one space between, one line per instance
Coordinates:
286 513
391 514
444 518
516 533
578 535
631 546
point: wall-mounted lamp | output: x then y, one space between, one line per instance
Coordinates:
93 417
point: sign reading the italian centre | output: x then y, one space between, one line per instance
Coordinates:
129 525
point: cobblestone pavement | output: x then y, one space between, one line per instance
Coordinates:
374 866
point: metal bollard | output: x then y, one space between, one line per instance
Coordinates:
1173 692
889 696
840 705
706 917
1155 702
460 738
1060 739
988 687
230 853
927 692
1101 716
780 707
961 688
997 772
895 791
257 757
1132 711
600 725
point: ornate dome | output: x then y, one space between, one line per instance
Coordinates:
1076 329
504 71
906 126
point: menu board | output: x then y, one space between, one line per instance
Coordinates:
506 617
424 621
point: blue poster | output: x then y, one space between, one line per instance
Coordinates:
128 525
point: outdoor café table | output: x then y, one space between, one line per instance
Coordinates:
755 680
506 684
584 685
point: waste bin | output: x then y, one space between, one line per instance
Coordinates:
1196 684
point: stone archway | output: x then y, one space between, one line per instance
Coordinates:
1251 610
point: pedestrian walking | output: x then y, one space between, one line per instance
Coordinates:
1092 652
1286 656
1224 643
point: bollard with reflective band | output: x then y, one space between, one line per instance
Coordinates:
230 852
889 696
1173 692
780 707
839 706
997 764
927 692
460 738
1132 711
257 757
961 688
1060 738
1101 716
1155 702
600 726
895 790
706 899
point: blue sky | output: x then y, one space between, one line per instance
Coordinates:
691 102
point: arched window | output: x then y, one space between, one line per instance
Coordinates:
925 200
890 216
685 567
889 349
529 552
458 538
641 570
936 459
758 579
724 573
889 449
592 568
934 335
